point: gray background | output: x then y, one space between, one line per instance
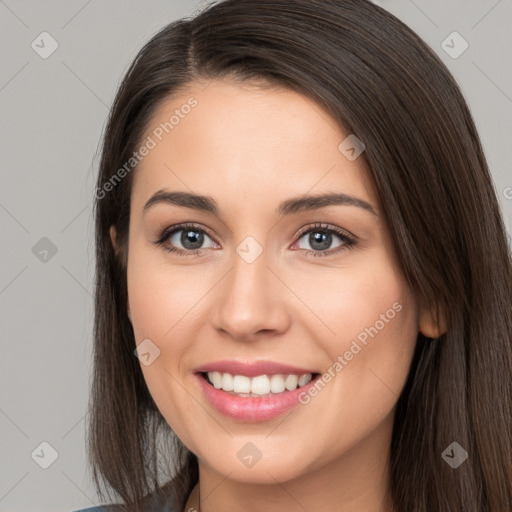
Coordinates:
53 112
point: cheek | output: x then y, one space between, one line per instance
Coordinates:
158 301
158 297
378 314
374 319
372 325
164 306
349 300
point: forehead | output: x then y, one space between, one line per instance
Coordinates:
246 144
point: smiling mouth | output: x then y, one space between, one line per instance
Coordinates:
258 386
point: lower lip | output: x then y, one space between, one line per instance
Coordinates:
252 409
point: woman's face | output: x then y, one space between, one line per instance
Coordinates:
265 276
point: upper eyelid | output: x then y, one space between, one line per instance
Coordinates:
327 227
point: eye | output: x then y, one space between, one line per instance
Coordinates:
320 240
184 239
188 240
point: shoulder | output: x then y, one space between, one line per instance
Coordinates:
100 508
153 503
115 508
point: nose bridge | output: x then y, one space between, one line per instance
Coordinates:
250 271
250 298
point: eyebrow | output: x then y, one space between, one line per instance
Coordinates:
288 207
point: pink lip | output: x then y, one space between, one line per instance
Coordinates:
252 369
252 409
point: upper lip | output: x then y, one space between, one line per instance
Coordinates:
252 369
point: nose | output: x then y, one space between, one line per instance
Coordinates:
251 301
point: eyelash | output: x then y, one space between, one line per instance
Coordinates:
348 240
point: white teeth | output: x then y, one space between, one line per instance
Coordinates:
276 384
227 382
260 385
241 384
216 379
291 382
304 379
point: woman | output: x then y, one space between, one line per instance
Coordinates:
303 294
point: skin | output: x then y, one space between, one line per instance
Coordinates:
251 148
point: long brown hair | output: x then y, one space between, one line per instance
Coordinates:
381 82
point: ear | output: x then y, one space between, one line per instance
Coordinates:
432 324
113 236
113 239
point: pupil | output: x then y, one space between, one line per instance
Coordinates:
322 238
191 239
